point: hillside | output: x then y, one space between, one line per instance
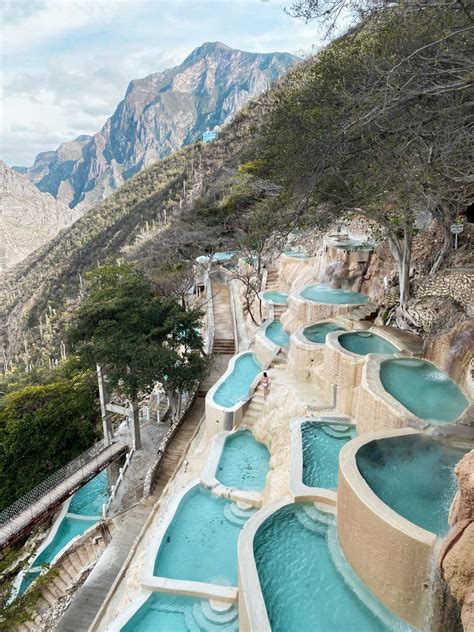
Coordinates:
28 218
159 114
188 203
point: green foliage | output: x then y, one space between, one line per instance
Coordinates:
23 608
43 427
140 338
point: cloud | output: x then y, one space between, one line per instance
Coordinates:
67 63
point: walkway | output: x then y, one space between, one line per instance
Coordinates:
49 498
93 593
224 331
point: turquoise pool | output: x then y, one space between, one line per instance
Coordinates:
414 476
278 298
317 333
299 565
422 388
200 543
296 254
244 462
364 342
84 510
321 446
223 256
177 613
320 293
277 334
236 386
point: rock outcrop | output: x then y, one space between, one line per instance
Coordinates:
28 218
158 115
457 556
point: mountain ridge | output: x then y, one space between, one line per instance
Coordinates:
28 217
159 114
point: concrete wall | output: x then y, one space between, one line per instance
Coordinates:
391 555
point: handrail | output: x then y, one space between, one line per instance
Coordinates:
39 501
233 312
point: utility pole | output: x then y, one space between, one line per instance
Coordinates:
137 441
106 428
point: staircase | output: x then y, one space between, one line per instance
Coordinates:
362 312
224 346
278 311
254 411
272 279
224 343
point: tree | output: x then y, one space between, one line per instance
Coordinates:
42 428
140 338
378 124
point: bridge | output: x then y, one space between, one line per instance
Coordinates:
32 508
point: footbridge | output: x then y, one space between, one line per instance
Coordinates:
32 508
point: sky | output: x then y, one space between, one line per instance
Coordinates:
65 64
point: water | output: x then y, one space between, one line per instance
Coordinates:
236 385
422 388
277 334
414 476
321 446
200 544
364 342
176 613
223 256
320 293
295 253
278 298
317 333
86 502
243 463
296 556
353 244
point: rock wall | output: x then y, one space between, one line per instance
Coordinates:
457 555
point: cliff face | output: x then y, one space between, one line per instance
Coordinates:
28 218
158 115
457 556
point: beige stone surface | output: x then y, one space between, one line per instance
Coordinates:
457 556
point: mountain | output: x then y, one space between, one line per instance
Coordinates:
28 217
158 115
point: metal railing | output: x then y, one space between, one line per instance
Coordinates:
55 489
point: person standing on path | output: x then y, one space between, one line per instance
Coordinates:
266 386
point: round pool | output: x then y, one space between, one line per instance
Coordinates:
423 389
414 475
317 333
364 342
223 256
276 333
295 254
320 293
276 297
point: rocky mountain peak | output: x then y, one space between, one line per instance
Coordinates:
158 114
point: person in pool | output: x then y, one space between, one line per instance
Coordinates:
266 385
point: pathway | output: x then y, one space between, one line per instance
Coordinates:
223 329
93 593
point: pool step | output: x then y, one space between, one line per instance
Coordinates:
235 515
308 517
